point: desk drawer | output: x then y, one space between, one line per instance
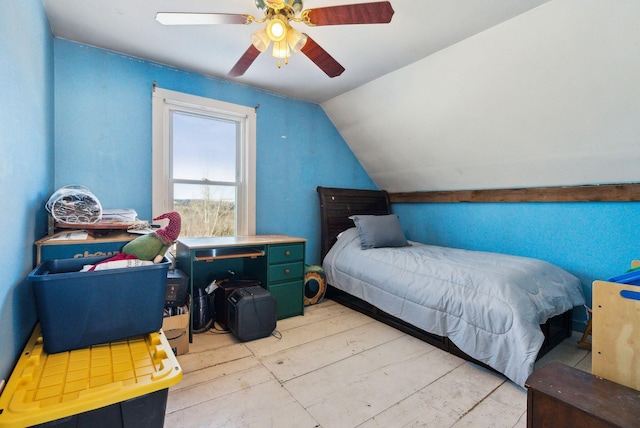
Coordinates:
286 272
285 253
289 296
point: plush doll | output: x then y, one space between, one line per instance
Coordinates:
154 245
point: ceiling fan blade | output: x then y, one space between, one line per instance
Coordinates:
244 62
363 13
321 58
189 18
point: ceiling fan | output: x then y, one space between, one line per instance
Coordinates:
278 14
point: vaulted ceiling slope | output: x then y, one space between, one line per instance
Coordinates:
418 29
455 94
548 98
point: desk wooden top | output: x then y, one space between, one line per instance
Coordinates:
237 241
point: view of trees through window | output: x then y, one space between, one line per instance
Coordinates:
206 216
204 173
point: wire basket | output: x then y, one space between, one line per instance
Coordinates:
74 204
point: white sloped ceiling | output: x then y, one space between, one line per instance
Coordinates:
550 97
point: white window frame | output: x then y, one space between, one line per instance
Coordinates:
164 103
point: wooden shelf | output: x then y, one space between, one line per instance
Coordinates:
592 193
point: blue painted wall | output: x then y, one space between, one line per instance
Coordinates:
591 240
103 139
26 164
100 104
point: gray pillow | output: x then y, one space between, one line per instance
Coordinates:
378 231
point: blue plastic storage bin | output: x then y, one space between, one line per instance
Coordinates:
80 309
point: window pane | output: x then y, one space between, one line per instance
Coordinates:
203 148
205 210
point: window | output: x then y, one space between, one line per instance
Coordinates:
204 163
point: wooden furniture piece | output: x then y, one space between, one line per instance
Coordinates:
277 261
562 396
336 205
616 332
73 244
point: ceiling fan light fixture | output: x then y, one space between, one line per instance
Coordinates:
277 16
277 29
296 39
260 40
281 49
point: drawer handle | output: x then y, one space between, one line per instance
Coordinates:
287 271
287 253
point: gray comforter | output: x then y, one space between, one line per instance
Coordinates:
490 305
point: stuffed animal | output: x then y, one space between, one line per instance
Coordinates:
154 245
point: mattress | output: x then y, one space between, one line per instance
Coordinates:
489 305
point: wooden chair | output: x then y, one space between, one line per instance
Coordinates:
587 332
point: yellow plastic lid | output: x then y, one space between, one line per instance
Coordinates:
43 387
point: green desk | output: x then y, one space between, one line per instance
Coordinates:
277 261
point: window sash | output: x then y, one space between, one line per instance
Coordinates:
164 103
215 117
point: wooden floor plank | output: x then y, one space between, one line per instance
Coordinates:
336 367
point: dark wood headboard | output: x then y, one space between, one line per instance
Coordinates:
336 205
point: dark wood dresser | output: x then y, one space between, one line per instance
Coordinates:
562 396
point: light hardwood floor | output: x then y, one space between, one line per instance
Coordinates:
334 367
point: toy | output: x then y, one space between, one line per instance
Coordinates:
154 245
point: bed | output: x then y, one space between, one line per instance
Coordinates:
500 311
